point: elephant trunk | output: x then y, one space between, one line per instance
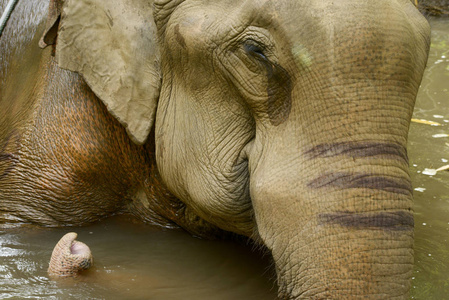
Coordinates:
330 187
339 233
69 257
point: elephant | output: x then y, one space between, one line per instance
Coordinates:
70 257
283 122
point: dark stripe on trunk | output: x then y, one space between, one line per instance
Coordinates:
395 220
348 181
358 150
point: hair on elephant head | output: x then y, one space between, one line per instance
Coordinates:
284 121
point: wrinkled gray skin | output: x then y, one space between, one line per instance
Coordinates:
284 121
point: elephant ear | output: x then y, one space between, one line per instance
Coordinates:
113 45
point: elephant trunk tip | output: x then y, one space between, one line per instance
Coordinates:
69 257
79 248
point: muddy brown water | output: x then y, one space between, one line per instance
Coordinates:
133 261
428 151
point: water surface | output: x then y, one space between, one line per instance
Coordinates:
134 261
428 151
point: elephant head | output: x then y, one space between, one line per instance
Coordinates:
285 121
69 257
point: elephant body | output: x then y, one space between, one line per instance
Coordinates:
283 121
64 159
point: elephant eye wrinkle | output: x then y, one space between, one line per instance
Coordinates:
279 83
279 91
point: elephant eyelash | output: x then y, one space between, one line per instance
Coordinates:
255 50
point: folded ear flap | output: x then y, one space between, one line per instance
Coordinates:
113 45
51 27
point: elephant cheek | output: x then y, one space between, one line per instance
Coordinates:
69 257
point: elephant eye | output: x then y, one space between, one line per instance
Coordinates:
252 48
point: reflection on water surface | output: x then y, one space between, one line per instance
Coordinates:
428 151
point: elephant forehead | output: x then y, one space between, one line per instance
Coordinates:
223 19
